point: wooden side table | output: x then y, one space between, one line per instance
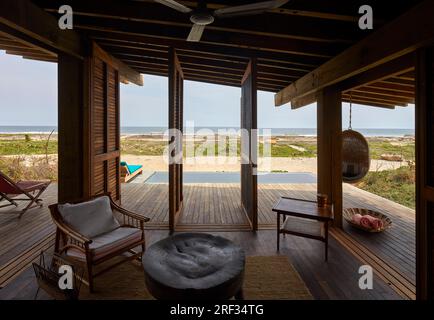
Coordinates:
303 218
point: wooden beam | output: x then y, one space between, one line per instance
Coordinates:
27 52
126 73
370 103
407 76
16 47
367 78
376 49
392 87
385 93
372 97
329 127
384 71
42 59
401 82
27 19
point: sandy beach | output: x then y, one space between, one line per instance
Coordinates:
293 153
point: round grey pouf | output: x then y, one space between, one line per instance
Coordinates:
194 266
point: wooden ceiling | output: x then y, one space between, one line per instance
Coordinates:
17 47
288 42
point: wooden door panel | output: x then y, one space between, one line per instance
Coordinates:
105 127
249 184
176 80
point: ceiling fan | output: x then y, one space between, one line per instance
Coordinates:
201 16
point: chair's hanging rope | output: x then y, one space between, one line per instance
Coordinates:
351 112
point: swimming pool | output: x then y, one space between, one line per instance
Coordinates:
234 177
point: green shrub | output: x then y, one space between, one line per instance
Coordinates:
396 185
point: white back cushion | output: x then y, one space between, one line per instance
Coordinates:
90 218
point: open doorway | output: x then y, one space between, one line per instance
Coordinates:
289 167
211 166
144 173
387 192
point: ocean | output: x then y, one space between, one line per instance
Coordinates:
274 131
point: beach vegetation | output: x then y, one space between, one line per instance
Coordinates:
28 168
26 145
396 185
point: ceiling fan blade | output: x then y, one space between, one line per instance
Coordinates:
196 33
174 5
249 9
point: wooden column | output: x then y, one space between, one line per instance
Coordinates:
73 106
425 174
329 123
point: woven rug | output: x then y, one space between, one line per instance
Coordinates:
266 278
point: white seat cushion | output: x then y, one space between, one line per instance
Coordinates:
90 218
110 242
303 225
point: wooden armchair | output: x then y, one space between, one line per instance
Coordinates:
94 250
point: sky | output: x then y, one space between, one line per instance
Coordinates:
28 97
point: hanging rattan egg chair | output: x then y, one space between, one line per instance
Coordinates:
355 155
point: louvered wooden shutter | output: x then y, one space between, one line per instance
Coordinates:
105 128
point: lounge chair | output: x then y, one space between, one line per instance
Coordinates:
130 171
32 190
97 230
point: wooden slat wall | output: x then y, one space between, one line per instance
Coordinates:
425 174
249 183
176 106
105 127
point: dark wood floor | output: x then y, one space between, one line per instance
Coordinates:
336 279
217 208
397 246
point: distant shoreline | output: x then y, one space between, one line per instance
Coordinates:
155 131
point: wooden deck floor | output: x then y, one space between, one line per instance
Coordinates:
216 208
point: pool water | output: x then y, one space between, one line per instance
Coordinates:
234 177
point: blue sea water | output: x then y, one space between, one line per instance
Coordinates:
274 131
